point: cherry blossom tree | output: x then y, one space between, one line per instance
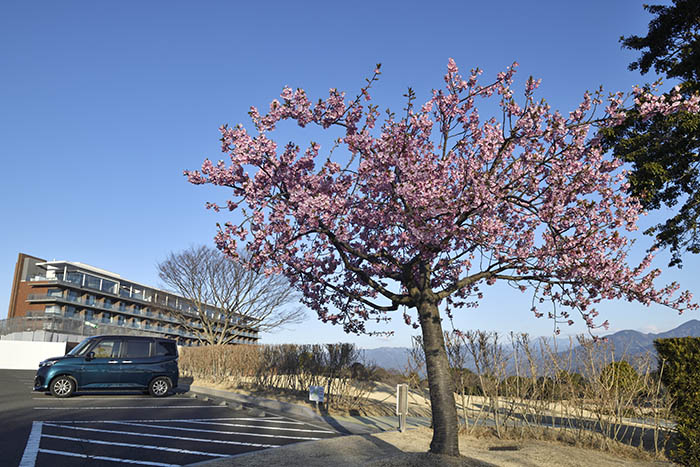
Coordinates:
425 211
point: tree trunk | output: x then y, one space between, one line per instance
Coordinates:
444 410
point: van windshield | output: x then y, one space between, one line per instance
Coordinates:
80 348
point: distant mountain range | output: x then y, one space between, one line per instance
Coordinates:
629 342
626 343
391 358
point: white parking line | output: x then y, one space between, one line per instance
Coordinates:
264 419
105 458
32 448
218 432
135 407
257 419
238 425
83 398
153 435
54 400
305 423
138 446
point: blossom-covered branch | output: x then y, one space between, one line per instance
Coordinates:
440 202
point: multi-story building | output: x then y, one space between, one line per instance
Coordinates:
77 299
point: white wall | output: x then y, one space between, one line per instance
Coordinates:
26 355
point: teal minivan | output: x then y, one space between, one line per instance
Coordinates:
112 362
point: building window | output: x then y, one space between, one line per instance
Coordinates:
92 282
52 309
70 312
90 299
75 278
125 291
109 286
108 303
55 293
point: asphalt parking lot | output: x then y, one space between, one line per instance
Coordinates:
98 429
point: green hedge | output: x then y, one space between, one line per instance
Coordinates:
679 359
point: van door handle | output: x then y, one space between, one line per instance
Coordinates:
127 361
112 361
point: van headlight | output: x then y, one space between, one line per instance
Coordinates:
46 363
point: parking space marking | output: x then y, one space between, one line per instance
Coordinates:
138 446
32 447
105 458
238 425
134 407
99 398
305 423
257 419
218 432
153 435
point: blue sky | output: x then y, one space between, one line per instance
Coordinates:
104 104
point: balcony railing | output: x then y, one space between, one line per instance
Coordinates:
77 325
141 313
122 294
99 306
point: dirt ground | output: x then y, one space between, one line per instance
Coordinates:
409 449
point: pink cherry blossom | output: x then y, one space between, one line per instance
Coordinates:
441 201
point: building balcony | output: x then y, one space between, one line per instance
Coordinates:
240 334
121 295
44 298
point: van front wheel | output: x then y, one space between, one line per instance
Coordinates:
63 386
160 387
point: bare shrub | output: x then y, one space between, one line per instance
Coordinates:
220 363
339 368
524 387
389 376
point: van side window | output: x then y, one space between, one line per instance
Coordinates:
106 348
137 348
165 349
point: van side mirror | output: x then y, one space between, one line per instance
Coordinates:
89 356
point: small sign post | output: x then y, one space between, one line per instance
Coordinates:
316 394
402 405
